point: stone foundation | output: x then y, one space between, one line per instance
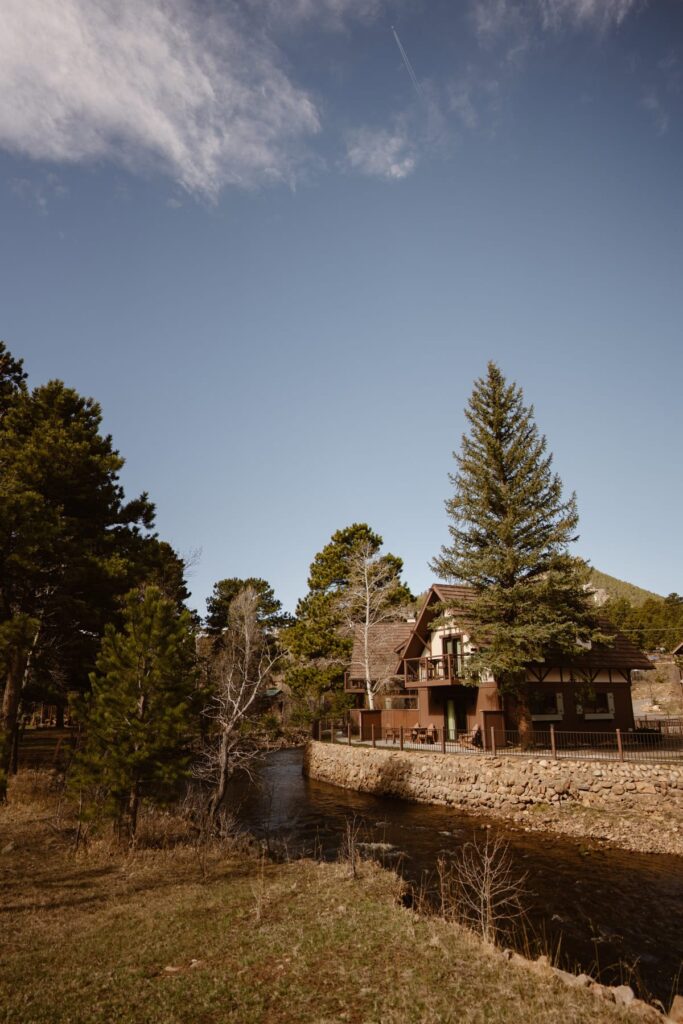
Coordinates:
485 783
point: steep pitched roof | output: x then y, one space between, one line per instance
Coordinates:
386 640
621 655
678 650
453 594
439 593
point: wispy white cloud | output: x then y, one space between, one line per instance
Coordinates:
600 14
521 19
331 14
475 101
380 153
462 105
149 84
493 17
650 101
39 191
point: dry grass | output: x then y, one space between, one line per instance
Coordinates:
162 935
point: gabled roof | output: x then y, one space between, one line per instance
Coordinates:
678 650
452 594
386 640
622 654
439 593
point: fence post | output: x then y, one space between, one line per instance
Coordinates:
332 730
619 746
401 737
552 740
372 729
348 731
443 739
493 739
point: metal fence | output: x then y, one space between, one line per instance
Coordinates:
666 726
644 744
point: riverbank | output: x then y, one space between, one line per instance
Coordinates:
636 807
179 933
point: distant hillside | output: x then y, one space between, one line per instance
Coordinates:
609 586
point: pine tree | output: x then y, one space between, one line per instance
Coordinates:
69 543
139 717
12 378
269 608
510 534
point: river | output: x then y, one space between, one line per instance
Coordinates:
612 913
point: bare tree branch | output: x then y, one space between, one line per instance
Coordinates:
374 595
242 662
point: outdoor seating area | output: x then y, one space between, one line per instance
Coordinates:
647 745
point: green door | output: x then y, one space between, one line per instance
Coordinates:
452 645
450 720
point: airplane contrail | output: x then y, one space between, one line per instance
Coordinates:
409 66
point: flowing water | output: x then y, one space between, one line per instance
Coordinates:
613 913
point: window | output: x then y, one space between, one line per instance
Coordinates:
596 705
546 705
404 701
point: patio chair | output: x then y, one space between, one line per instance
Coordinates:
471 739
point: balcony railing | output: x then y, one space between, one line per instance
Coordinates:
353 685
443 669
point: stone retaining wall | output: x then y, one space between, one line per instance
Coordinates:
495 783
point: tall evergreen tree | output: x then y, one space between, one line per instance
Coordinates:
138 721
319 642
69 542
12 378
510 534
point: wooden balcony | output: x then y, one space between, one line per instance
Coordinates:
353 685
446 670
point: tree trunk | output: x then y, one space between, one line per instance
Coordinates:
8 715
218 795
524 722
132 810
59 715
14 760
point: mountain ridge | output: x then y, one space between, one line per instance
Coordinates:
607 587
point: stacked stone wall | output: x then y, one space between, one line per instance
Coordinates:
481 782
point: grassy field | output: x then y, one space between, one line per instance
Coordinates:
221 935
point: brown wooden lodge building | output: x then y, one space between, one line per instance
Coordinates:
418 669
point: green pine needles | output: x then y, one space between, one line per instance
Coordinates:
138 723
510 532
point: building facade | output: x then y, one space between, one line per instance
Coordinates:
419 678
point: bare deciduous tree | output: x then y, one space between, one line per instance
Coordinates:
481 888
375 594
241 663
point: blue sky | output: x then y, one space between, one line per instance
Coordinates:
279 263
